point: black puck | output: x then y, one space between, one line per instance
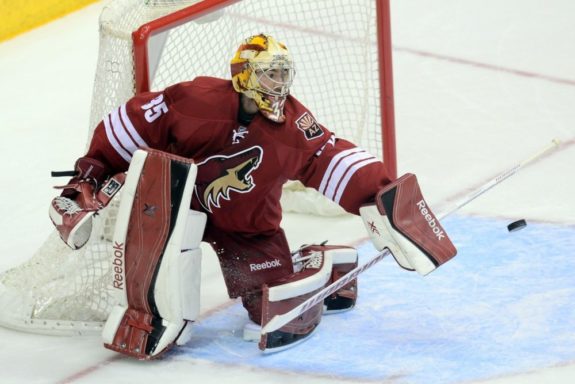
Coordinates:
517 225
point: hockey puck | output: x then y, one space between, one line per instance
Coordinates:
517 225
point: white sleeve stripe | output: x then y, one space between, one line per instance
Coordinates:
124 138
130 127
112 139
341 169
342 186
334 162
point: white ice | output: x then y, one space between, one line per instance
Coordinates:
480 85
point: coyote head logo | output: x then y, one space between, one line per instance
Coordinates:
219 175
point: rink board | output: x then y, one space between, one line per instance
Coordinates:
504 305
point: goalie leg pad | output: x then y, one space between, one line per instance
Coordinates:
156 257
287 293
344 259
402 221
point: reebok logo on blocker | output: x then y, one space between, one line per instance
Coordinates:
430 220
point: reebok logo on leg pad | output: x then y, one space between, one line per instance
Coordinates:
265 265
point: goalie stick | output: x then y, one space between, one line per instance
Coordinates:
279 321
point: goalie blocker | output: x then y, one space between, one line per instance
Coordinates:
401 220
157 257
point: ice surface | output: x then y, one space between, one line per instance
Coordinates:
502 306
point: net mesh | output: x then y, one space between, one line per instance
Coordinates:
334 46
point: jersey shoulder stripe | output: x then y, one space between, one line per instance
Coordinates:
121 133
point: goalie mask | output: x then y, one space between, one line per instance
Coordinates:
263 70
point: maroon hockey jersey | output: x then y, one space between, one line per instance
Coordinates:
241 169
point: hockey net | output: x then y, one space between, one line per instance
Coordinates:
343 64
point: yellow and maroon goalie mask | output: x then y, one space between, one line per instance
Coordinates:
263 70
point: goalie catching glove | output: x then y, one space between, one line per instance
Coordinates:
85 194
401 220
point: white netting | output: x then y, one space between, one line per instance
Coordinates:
60 291
115 81
334 46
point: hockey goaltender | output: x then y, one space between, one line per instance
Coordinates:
205 160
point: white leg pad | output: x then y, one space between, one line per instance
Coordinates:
177 291
157 247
